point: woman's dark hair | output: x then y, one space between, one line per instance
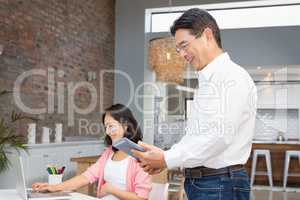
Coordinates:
124 116
197 20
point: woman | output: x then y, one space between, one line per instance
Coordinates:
119 176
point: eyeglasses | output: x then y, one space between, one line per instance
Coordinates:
186 45
111 128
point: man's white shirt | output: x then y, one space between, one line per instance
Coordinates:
221 125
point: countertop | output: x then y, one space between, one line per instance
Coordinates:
71 143
275 142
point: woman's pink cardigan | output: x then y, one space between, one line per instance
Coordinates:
137 180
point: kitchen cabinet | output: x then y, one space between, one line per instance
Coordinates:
281 96
294 95
278 111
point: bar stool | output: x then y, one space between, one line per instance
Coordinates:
176 184
288 156
266 153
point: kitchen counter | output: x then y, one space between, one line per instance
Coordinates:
274 142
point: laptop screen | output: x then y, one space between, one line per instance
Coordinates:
17 164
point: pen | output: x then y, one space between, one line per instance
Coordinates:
49 170
62 169
54 170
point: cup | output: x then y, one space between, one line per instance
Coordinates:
54 179
31 133
46 135
58 132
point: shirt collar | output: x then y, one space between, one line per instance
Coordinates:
210 68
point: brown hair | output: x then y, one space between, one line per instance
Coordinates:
124 116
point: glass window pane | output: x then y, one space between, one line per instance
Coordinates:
239 18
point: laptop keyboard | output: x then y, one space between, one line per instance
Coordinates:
33 194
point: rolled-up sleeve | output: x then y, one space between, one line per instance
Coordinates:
143 184
92 173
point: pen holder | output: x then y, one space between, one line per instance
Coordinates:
54 179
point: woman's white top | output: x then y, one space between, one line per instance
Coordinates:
115 174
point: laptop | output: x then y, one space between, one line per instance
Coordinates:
29 194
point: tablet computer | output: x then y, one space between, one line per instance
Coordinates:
126 145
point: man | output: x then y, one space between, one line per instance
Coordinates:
220 129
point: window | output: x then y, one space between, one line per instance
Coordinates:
236 18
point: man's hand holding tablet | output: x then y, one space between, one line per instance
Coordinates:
127 146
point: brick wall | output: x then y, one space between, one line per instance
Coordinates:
71 37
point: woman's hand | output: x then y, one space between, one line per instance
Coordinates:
69 185
107 189
44 187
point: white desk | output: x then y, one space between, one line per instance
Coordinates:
12 195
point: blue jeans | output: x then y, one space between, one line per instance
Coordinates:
232 186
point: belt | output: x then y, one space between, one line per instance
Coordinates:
199 172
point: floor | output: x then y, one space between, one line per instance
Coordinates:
264 193
277 193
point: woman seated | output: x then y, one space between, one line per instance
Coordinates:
119 176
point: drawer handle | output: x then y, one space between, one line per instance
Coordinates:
45 155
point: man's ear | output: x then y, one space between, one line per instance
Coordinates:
208 36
